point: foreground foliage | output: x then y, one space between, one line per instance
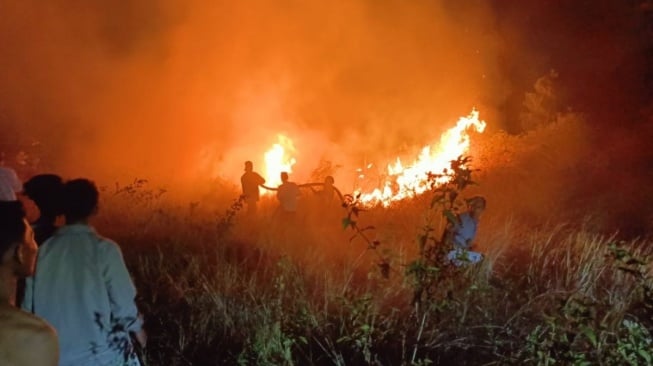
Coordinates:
217 289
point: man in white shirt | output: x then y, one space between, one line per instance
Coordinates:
462 233
82 287
9 184
288 195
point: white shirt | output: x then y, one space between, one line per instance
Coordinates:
465 231
9 184
83 289
288 194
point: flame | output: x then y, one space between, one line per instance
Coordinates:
280 158
401 180
408 180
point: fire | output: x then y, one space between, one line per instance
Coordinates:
280 158
408 180
400 180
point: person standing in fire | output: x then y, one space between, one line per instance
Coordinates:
250 182
288 195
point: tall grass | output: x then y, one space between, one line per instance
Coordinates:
260 293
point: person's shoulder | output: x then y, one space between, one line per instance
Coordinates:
107 244
42 339
36 327
25 327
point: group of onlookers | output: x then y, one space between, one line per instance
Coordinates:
78 300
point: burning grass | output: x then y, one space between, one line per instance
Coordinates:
259 293
556 285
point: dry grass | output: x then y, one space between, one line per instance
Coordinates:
264 294
557 284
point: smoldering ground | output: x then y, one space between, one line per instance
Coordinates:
182 91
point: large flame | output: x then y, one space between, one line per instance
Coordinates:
280 158
408 180
400 180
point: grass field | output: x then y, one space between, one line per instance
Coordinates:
254 293
554 288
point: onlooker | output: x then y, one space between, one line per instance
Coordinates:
45 190
9 183
85 275
462 234
288 195
25 340
250 182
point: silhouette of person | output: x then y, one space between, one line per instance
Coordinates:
288 196
327 194
45 190
25 340
462 233
250 182
9 183
85 275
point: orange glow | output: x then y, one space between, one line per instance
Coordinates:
408 180
280 158
400 180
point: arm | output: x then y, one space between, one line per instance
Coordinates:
121 290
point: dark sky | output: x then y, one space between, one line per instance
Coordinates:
602 51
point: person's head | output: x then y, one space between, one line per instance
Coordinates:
284 177
329 180
80 198
17 246
476 205
249 166
45 190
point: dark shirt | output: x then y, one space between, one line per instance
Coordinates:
250 182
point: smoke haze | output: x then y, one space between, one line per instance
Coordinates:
179 91
151 88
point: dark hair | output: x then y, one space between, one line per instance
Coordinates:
80 199
12 224
45 190
477 202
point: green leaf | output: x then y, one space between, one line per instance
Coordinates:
346 222
645 355
450 217
590 334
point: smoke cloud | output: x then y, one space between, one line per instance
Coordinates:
183 91
172 89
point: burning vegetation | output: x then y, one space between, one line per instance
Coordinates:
162 102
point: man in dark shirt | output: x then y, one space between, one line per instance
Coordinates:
250 182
